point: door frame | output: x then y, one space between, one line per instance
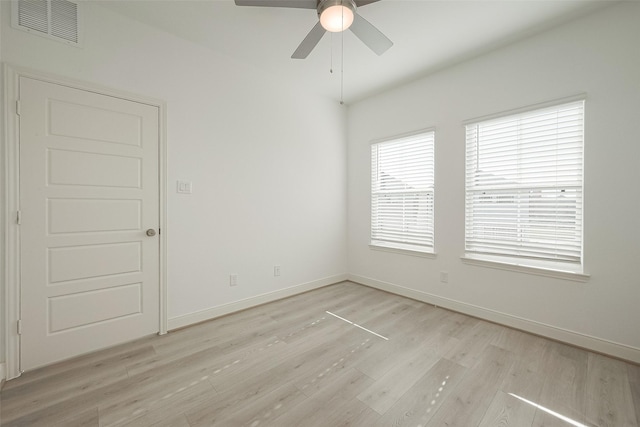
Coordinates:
11 201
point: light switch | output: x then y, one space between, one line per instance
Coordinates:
184 187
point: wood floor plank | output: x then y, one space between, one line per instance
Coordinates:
155 403
420 402
260 380
316 323
57 414
57 388
335 295
396 318
526 376
404 341
325 373
296 312
85 419
352 417
472 344
385 392
179 420
289 363
229 338
112 359
228 334
338 397
506 410
265 408
171 376
472 396
276 357
633 373
214 360
458 325
520 343
373 308
609 397
564 387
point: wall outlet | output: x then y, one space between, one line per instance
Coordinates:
444 276
233 280
276 270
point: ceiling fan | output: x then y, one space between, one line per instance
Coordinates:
334 16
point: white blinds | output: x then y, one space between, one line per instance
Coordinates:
402 186
524 184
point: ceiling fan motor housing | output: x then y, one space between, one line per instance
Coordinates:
324 5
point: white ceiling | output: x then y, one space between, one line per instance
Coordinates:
428 35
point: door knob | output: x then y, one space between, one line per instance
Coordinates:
151 232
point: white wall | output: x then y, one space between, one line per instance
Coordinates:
269 183
597 54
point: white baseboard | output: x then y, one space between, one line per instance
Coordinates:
221 310
3 376
598 345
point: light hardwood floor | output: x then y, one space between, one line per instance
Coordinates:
293 363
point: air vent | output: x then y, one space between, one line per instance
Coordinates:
54 19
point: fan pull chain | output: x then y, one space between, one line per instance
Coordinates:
331 54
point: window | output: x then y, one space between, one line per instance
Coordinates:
402 187
524 188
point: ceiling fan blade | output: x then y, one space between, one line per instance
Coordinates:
299 4
370 35
309 42
360 3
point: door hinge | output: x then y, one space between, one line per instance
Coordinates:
18 217
18 107
19 327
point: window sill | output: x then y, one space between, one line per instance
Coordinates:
412 252
538 271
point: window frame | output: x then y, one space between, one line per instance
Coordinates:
534 265
375 240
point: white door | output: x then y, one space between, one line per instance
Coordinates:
88 193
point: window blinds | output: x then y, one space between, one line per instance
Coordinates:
524 184
402 192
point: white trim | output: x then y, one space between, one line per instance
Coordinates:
3 378
162 181
11 230
538 271
540 105
570 337
221 310
413 252
403 135
11 194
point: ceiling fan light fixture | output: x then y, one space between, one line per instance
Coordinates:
336 15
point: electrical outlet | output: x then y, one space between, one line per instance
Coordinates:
276 270
444 277
233 280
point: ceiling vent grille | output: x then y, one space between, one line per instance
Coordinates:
54 19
